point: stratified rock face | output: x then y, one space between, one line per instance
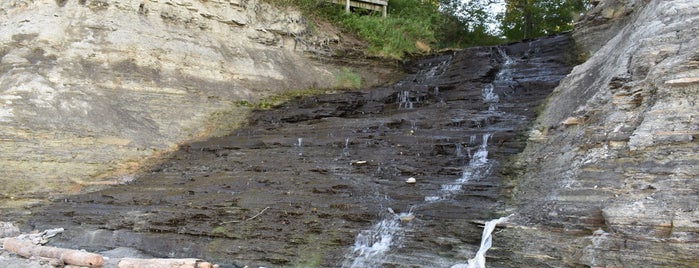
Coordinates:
620 187
302 184
89 86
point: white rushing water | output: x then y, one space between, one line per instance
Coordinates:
477 168
371 245
486 242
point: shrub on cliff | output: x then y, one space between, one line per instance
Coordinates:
408 22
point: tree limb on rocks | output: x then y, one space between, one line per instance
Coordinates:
68 256
164 263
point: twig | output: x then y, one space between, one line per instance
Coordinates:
258 214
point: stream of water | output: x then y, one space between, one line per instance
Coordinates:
372 245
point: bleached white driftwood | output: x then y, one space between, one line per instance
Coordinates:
69 256
164 263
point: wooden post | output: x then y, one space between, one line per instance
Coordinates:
347 7
383 13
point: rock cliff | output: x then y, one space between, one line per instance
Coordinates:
609 176
91 87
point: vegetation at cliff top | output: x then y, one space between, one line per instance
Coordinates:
447 23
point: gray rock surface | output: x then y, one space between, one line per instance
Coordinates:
619 189
89 88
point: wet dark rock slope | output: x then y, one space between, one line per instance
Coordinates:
299 181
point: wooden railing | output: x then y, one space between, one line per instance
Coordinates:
377 5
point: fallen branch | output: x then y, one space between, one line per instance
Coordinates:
258 214
164 263
68 256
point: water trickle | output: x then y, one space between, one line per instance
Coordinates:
345 151
404 100
508 60
504 80
480 157
451 187
434 72
299 145
477 168
459 152
432 198
490 97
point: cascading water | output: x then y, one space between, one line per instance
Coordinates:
503 82
477 168
299 146
404 101
345 150
372 245
486 242
490 97
426 77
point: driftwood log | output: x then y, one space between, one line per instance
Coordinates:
164 263
68 256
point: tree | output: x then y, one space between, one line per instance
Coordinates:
531 18
467 23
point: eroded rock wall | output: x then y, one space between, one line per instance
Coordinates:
88 87
611 168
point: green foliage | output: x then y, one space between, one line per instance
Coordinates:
348 80
408 22
393 36
445 23
529 18
468 23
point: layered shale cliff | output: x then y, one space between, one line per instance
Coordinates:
92 87
610 174
607 178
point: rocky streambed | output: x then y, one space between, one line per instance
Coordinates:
299 183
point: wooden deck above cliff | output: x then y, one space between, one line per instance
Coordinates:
377 5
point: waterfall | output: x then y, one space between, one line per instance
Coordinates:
480 158
404 100
345 151
504 80
486 242
373 246
435 71
489 97
507 58
370 245
299 146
